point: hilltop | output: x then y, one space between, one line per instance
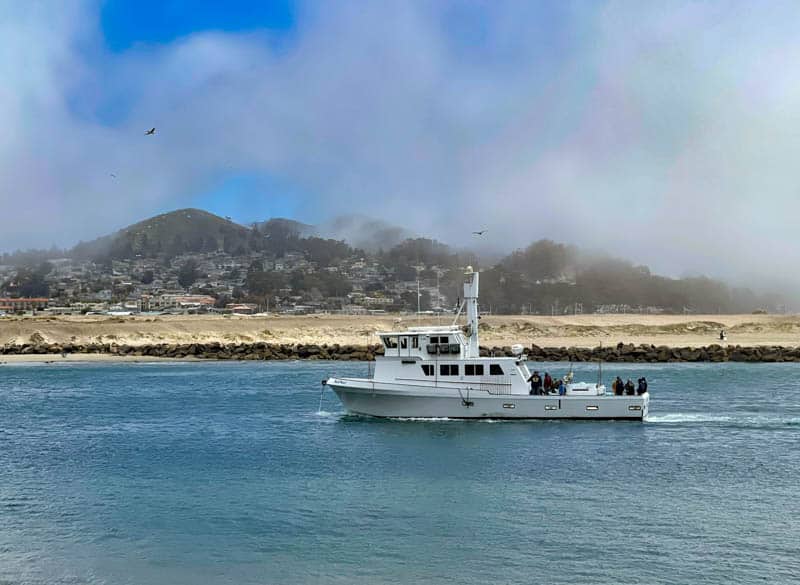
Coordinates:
169 234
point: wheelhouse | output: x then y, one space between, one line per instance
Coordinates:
424 343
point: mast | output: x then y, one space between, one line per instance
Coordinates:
471 301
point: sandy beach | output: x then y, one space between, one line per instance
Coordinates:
577 331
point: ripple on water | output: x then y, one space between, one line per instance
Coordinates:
234 473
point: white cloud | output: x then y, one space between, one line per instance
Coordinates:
664 134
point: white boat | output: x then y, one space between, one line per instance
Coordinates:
437 372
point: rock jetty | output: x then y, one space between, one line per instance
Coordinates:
273 351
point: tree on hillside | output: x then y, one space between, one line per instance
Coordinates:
146 277
329 284
264 283
31 258
188 273
30 282
541 260
325 252
420 251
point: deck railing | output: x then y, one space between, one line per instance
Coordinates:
496 385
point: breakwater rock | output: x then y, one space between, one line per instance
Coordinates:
272 351
662 353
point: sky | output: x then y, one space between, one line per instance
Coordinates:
662 132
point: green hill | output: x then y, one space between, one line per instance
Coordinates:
170 234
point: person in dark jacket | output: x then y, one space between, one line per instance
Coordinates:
629 389
548 383
642 386
536 383
618 386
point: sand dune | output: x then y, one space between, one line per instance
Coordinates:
577 330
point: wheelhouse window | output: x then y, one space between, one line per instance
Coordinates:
415 342
448 370
473 370
390 342
403 342
440 339
427 369
495 370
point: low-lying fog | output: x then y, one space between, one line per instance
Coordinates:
665 134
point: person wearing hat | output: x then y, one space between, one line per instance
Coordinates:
629 389
536 383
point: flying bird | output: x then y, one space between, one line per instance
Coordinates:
150 132
112 175
480 233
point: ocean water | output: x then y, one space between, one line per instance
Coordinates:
227 473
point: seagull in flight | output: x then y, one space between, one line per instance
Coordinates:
112 175
150 132
480 233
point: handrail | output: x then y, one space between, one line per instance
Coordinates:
493 388
486 388
506 381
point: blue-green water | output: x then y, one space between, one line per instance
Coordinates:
226 473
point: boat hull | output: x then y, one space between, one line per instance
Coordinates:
366 397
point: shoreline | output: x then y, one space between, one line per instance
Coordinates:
582 331
644 353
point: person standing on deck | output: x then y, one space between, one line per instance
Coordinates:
536 383
548 383
629 389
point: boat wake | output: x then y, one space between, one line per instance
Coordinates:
419 419
326 414
743 421
422 419
679 417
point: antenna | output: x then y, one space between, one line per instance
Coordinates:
460 307
600 366
438 301
418 303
